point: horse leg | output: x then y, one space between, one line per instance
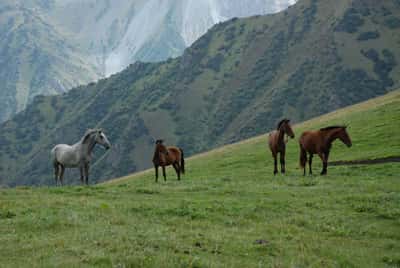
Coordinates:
310 164
325 164
56 171
164 174
62 175
156 168
275 163
177 170
87 174
303 159
322 156
82 173
282 160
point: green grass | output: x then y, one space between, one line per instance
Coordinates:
227 201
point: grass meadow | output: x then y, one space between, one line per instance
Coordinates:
227 211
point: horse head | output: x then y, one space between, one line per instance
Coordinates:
102 139
97 136
160 147
344 136
286 128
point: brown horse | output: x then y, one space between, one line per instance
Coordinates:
277 143
165 156
320 142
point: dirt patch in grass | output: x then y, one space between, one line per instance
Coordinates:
390 159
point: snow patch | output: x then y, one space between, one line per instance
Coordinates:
192 18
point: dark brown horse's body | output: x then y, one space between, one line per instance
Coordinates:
165 156
320 142
277 143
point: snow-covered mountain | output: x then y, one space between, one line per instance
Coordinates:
49 46
117 33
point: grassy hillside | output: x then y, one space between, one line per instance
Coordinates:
35 59
235 82
228 211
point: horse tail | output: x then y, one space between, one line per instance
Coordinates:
182 161
53 152
303 156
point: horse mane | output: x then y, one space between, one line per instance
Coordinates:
285 120
331 127
88 133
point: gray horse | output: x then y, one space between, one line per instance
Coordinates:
77 155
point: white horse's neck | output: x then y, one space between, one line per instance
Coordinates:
87 146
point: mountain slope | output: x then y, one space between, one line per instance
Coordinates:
48 47
235 82
35 59
228 210
118 33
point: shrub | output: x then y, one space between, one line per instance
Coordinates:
368 35
215 62
392 23
350 22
